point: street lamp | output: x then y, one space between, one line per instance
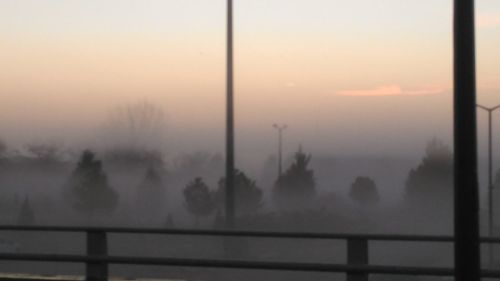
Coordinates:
490 111
229 120
280 129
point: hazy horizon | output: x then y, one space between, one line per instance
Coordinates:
356 78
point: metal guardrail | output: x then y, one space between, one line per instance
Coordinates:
356 269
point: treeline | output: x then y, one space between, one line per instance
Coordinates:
88 190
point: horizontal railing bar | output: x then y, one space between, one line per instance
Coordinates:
239 264
40 277
243 233
227 264
35 278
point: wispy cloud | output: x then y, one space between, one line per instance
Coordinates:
485 21
391 90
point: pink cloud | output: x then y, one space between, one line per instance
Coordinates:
485 21
391 90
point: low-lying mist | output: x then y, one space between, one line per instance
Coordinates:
128 180
46 185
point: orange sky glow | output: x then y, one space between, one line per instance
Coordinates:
309 66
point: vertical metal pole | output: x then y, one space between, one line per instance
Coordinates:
490 184
357 254
280 129
280 167
467 254
229 121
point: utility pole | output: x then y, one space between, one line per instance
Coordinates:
229 120
466 229
280 129
490 111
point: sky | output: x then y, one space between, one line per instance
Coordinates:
348 77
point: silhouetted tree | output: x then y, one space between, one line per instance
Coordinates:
138 126
87 189
26 214
296 187
247 195
364 191
199 201
432 181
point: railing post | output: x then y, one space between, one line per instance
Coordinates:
467 247
357 254
97 245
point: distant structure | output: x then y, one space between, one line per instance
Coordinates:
3 149
364 191
490 111
219 222
26 214
280 129
169 221
151 197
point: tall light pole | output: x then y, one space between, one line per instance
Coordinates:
280 129
229 120
490 111
466 207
